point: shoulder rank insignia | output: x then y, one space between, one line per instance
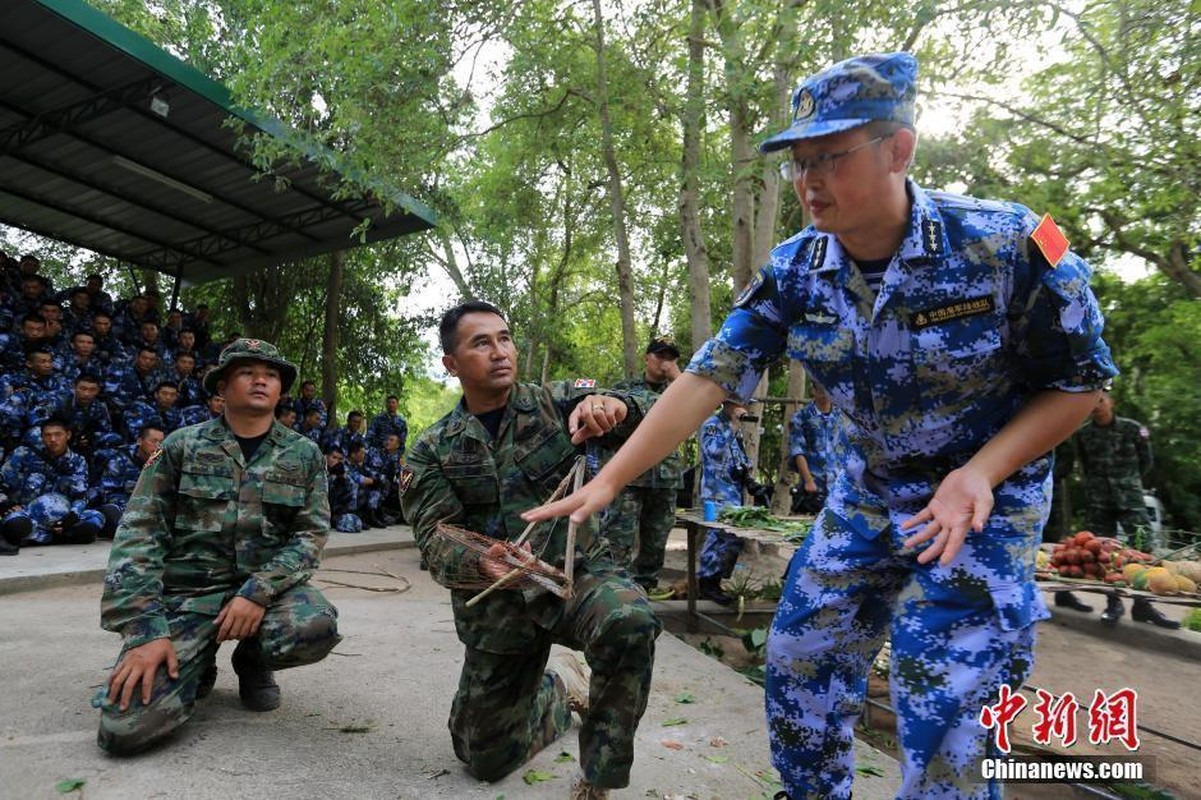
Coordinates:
585 383
1050 240
405 479
154 457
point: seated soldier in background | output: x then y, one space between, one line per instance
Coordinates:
43 493
122 466
221 535
343 494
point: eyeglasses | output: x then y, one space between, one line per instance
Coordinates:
820 164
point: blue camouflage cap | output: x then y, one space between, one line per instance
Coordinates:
849 94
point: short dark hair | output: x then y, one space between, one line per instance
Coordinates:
101 313
449 326
391 397
184 354
87 377
355 413
354 447
145 429
168 384
33 317
57 422
150 350
51 301
83 332
95 275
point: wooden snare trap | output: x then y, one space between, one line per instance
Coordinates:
527 569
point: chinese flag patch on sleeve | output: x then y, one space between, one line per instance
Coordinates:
1050 240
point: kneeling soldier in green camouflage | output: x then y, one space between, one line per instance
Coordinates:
504 448
223 531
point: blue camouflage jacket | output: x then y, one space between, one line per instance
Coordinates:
969 323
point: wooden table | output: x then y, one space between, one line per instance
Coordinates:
693 522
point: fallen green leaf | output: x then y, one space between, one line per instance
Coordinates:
685 697
564 757
717 759
534 776
868 769
669 723
69 785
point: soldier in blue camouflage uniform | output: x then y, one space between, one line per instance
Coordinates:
343 493
190 392
724 463
161 413
388 421
814 433
122 467
1115 454
87 416
30 397
220 538
638 522
389 462
365 472
43 493
978 350
310 426
125 384
309 401
213 407
505 446
109 350
354 432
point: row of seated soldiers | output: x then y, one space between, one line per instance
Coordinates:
52 494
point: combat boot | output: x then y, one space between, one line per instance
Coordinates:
1069 600
575 677
1143 611
256 682
208 679
581 789
1113 611
7 549
710 589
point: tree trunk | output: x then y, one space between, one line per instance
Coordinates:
329 343
781 502
625 274
690 213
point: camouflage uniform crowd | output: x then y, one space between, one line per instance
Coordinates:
117 376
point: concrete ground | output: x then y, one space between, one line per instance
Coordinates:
367 722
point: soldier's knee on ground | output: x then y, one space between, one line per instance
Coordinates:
139 728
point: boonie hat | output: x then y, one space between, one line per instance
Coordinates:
250 350
851 93
663 344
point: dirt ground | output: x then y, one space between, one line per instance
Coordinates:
1065 660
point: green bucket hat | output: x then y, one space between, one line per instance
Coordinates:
251 350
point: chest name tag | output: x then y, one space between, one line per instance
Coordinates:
964 308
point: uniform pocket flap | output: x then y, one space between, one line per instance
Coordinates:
282 493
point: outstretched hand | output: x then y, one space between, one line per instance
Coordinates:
595 415
963 501
580 505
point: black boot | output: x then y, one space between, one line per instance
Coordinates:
256 682
7 549
1069 600
1113 611
1143 611
710 589
208 679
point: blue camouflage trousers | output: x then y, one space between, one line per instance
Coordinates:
50 510
299 628
719 554
958 634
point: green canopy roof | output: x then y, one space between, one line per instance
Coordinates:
110 143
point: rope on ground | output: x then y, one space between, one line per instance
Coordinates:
379 572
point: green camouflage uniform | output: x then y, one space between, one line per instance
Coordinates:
1059 522
1114 458
507 708
640 519
202 527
